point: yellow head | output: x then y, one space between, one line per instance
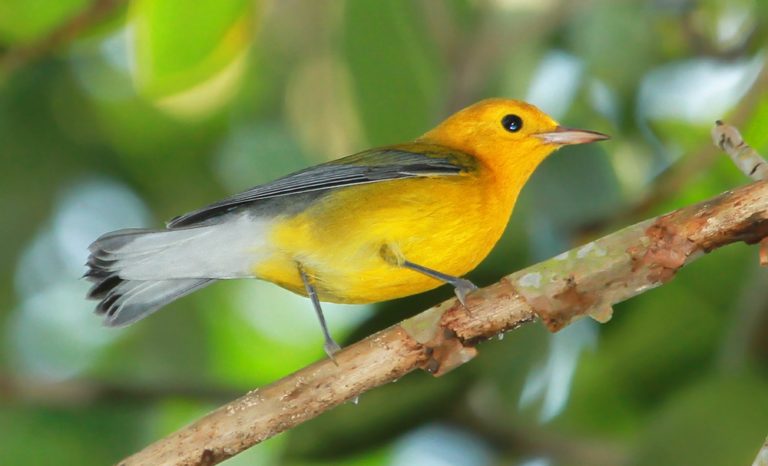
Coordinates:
509 136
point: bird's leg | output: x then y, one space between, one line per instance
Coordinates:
462 286
330 346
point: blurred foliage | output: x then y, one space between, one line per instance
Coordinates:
148 110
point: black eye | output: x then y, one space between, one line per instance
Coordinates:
512 123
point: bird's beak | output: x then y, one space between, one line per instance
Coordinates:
562 136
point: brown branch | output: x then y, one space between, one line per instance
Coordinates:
18 57
584 281
746 159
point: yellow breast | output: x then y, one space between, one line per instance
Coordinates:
447 223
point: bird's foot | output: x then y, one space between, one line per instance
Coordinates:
462 288
331 348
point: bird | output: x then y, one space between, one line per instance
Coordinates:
380 224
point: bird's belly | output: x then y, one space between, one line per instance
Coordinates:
448 225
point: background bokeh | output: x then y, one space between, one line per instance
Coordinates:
124 114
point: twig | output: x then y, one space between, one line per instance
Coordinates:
64 33
583 281
728 138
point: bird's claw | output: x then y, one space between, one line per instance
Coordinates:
331 348
462 288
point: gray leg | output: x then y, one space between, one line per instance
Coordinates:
330 346
462 286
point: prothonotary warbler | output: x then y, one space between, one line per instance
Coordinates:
377 225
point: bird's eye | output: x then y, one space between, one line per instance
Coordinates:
512 123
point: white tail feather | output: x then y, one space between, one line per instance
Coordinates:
225 250
142 298
136 272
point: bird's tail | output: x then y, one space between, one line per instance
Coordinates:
136 272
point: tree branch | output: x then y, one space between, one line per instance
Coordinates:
584 281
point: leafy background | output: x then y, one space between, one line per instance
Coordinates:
116 114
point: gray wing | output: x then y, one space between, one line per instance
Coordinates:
390 163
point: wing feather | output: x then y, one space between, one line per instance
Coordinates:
390 163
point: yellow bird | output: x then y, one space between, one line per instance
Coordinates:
377 225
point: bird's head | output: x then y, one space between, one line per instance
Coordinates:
505 132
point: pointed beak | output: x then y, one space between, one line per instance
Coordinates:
562 136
